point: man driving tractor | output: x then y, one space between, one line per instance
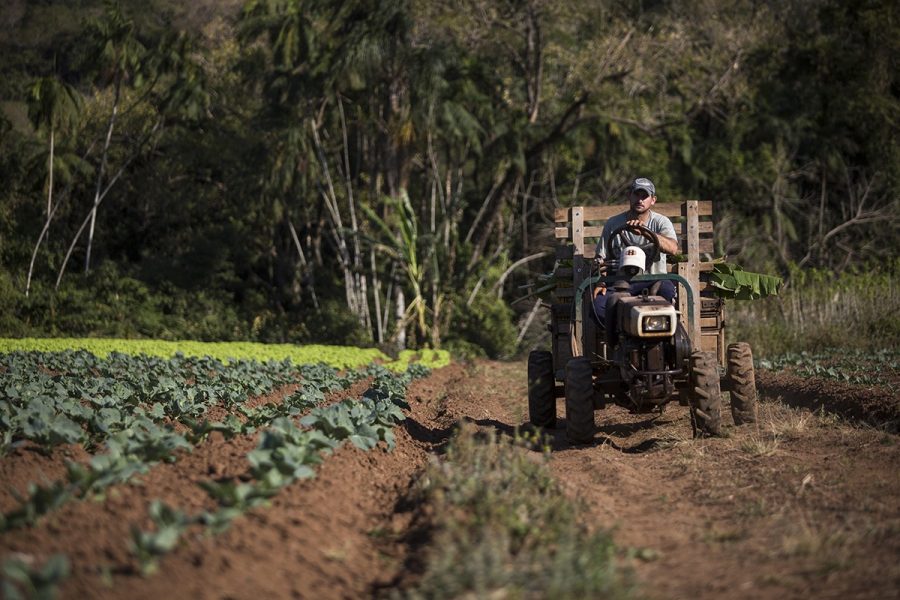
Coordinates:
641 198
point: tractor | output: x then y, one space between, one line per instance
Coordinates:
647 352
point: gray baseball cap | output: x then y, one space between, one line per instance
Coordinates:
642 183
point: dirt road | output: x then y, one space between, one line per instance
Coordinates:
797 506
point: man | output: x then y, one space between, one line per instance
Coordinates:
641 198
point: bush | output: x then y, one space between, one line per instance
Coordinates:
107 303
483 329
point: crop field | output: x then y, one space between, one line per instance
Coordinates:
209 471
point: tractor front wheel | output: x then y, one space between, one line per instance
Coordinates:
580 425
742 383
705 394
541 389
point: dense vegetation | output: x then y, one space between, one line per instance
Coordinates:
369 172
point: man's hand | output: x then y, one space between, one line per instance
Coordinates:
666 245
600 289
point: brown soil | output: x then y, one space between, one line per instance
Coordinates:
878 404
29 463
800 505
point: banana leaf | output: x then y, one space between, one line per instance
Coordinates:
732 281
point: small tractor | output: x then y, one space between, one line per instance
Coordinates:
647 352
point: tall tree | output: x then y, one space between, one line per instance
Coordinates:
117 56
53 107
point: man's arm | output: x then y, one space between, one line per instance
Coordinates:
667 245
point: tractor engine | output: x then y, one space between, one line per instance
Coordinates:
647 348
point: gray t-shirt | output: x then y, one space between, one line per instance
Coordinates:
659 224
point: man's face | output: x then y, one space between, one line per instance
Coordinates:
641 201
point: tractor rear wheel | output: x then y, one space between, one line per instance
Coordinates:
705 394
541 389
580 425
741 383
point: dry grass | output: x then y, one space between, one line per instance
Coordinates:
760 445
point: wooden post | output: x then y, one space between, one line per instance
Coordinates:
579 266
690 270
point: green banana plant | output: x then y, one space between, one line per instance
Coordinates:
402 246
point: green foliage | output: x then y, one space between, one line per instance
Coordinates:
483 329
235 352
23 579
149 546
501 525
732 281
867 368
129 404
286 452
40 500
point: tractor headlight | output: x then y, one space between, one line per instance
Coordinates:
651 319
653 323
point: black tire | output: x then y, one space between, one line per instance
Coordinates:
705 395
580 427
742 383
541 389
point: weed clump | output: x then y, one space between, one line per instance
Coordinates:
501 526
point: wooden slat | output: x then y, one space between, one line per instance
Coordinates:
709 342
595 231
591 213
707 322
704 227
705 245
590 231
669 209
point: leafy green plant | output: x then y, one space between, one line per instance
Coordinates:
849 366
341 357
39 500
22 579
149 546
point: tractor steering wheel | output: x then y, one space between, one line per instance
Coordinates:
614 252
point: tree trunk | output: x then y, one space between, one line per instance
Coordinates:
103 158
50 211
401 319
50 175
